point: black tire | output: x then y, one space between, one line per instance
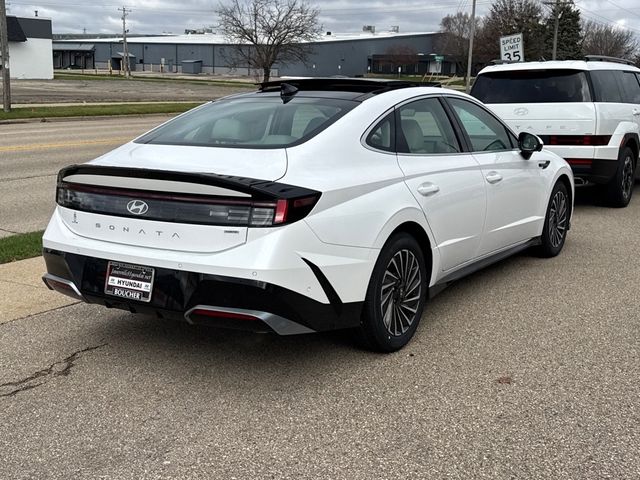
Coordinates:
556 222
401 255
618 191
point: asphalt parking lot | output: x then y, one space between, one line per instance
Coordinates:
528 369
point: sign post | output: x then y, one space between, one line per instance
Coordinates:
512 48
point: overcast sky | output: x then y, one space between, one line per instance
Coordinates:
340 16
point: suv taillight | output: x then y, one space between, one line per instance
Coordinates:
586 140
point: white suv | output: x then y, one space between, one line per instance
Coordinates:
309 205
588 112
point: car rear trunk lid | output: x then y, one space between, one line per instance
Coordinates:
185 211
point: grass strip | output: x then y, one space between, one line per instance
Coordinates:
19 247
97 110
90 76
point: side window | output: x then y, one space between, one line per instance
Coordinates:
485 132
630 88
382 137
605 86
425 128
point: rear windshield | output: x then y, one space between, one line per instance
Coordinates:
537 86
251 122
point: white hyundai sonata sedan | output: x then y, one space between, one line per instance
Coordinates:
306 206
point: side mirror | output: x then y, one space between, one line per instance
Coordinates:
529 143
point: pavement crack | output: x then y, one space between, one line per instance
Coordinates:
8 231
13 282
56 369
7 322
14 179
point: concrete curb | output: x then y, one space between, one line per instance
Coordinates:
24 293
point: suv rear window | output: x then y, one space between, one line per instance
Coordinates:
532 86
251 122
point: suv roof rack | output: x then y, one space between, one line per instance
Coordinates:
499 61
604 58
359 85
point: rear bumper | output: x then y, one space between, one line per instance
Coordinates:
233 302
593 170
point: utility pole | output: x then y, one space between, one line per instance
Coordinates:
471 35
125 61
557 4
555 36
4 61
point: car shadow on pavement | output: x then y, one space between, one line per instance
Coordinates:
591 196
183 356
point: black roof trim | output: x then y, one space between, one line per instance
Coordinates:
346 84
604 58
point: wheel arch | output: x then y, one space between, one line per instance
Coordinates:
564 178
418 232
632 140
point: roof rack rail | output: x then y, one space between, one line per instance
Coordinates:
604 58
363 85
499 61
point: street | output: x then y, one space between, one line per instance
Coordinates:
92 90
32 153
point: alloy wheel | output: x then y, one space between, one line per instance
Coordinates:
558 219
627 177
401 292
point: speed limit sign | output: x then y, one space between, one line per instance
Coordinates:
512 48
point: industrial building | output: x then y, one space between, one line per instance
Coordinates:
30 48
333 54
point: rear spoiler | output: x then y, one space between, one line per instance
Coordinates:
258 189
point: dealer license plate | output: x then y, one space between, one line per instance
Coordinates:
133 282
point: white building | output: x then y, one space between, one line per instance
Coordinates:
30 48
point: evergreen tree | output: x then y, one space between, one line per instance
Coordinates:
569 32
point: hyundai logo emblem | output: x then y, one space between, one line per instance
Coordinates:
521 111
137 207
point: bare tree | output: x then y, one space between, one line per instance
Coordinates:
602 39
454 41
400 56
266 32
505 18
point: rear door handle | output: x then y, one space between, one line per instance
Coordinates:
493 177
428 188
636 112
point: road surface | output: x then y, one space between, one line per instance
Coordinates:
32 153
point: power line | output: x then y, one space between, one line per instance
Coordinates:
607 21
623 8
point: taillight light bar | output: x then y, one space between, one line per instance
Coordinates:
579 161
185 208
578 140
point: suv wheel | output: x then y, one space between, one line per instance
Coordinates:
395 297
556 222
620 188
